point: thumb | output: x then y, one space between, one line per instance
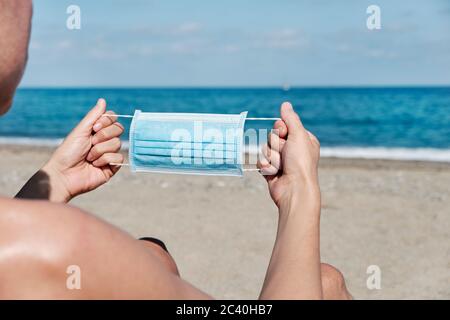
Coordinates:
291 118
85 125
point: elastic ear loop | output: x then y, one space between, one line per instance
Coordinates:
130 116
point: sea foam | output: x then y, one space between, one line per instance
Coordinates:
382 153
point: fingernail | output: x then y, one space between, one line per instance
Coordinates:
288 105
89 157
264 162
97 126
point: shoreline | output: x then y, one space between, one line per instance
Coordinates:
327 155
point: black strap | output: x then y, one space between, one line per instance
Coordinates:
156 241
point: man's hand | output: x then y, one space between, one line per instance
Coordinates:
290 168
291 159
83 161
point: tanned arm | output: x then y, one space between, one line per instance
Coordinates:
290 169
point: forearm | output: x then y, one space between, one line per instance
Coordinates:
44 185
294 269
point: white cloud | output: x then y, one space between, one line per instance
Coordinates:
381 54
143 50
231 48
172 30
184 48
284 39
104 53
64 44
187 28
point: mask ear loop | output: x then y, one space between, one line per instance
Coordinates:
118 115
127 165
263 119
131 116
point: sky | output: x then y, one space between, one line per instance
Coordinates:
233 43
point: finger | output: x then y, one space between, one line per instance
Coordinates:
275 142
267 168
281 127
108 159
85 126
263 165
110 146
273 156
107 133
291 118
105 121
107 172
114 168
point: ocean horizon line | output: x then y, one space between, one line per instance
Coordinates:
225 87
343 152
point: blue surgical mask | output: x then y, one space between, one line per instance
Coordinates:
207 144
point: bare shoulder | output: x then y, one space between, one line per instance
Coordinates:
37 228
40 242
33 239
50 227
17 215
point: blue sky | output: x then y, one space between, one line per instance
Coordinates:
239 43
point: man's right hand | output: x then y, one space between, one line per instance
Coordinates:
291 160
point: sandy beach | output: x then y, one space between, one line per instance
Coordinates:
221 230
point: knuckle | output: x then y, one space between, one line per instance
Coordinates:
116 142
274 155
101 135
273 170
276 165
120 127
106 157
276 144
110 119
110 113
331 276
113 117
95 151
316 140
106 121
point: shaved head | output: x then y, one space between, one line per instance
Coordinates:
15 26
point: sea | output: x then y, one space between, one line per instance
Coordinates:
404 123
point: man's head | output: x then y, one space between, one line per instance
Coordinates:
15 26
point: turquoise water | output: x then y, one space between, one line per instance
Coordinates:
340 117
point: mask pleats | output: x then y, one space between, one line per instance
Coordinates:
187 143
